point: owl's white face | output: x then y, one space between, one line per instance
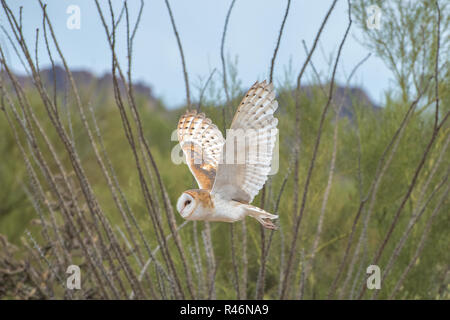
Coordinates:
186 205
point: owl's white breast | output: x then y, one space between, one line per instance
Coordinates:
226 210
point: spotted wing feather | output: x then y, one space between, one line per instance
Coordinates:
202 144
241 181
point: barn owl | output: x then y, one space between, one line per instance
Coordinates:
228 187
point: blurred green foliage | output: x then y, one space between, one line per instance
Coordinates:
361 142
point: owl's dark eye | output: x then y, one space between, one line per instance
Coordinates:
187 202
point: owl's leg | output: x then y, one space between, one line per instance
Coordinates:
266 223
262 216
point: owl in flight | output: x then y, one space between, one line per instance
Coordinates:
230 173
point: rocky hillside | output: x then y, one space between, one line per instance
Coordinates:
86 79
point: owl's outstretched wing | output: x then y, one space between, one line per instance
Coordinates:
241 178
202 144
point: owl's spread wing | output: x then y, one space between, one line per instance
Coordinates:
202 144
241 179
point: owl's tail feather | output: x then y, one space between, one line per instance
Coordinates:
262 216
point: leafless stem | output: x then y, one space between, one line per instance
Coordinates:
224 69
312 163
180 47
308 263
280 34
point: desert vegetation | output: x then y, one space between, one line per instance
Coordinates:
87 180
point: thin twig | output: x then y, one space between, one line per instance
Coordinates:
180 48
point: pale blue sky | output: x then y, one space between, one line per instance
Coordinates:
252 34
